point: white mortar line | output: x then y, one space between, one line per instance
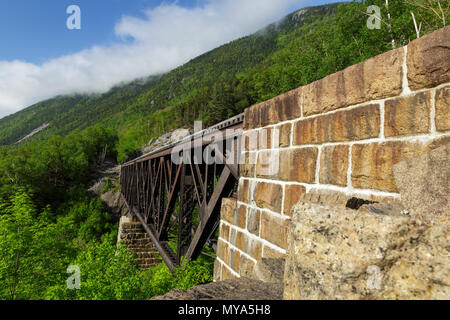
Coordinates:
319 154
254 237
433 129
350 191
273 213
423 138
382 119
232 246
228 267
347 108
349 169
405 87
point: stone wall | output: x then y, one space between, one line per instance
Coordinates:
133 236
340 136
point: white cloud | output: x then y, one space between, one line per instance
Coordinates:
167 37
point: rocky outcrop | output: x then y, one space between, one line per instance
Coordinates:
233 289
380 251
165 140
424 183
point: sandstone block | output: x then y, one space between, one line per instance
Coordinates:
284 133
443 109
265 138
237 239
243 190
407 115
377 78
224 232
372 163
228 209
268 252
334 164
248 167
293 194
269 196
240 217
287 105
298 165
349 125
223 251
251 140
253 221
252 247
424 183
267 165
217 270
428 60
274 229
235 257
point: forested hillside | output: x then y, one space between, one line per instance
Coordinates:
47 220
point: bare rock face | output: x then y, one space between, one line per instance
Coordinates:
235 289
377 252
424 183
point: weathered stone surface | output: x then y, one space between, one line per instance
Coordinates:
281 108
268 252
224 232
252 247
234 259
274 229
234 289
240 217
298 165
270 270
265 138
424 183
349 125
337 253
253 221
269 195
268 164
284 135
407 115
377 78
334 165
223 251
248 168
288 105
443 109
372 163
228 209
251 140
428 60
292 196
237 239
243 190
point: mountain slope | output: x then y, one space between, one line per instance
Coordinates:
301 48
129 102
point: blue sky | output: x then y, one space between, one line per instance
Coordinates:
35 30
120 40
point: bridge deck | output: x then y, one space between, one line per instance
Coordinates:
178 202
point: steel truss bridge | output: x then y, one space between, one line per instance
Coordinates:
176 191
